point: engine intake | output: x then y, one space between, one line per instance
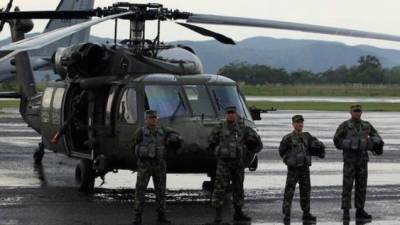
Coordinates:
83 60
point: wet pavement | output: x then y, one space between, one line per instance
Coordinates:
360 99
47 194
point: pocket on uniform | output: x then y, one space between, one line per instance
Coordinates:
363 144
291 161
232 150
142 151
160 151
152 150
224 153
346 144
355 144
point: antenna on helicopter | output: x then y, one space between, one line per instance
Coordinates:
9 5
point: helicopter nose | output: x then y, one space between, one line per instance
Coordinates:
195 135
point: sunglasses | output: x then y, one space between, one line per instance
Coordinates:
152 117
231 112
356 110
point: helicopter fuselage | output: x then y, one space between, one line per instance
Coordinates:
101 122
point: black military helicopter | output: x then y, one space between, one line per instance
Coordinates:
93 110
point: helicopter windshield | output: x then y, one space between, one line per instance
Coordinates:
166 100
199 100
228 95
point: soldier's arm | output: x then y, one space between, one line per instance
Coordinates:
213 139
172 138
284 146
373 132
137 138
311 138
168 131
308 136
315 146
252 140
339 135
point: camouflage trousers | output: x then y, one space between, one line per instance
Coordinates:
354 172
157 170
227 172
302 176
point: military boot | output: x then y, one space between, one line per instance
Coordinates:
346 214
308 217
362 215
239 215
286 218
218 215
138 219
161 218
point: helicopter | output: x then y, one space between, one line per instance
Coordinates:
40 59
92 112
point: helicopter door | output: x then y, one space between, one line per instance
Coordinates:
76 122
126 117
51 114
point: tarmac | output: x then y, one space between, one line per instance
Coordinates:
47 194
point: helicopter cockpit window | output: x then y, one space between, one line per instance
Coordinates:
199 100
128 107
166 100
228 95
45 111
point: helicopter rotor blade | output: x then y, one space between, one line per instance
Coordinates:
66 14
52 36
219 37
248 22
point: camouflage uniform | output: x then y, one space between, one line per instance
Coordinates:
294 151
352 137
149 143
228 142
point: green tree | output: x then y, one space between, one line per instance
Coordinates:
369 70
368 61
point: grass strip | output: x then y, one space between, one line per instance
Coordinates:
322 90
9 104
325 106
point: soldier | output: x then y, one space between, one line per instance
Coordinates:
354 136
230 141
295 150
149 144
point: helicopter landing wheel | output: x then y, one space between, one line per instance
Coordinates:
38 154
84 176
209 184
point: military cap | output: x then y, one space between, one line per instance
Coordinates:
297 118
230 109
151 113
356 107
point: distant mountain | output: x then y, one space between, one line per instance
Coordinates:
289 54
281 53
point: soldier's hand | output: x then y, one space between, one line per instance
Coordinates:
322 155
174 141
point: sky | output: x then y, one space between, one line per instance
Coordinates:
374 16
